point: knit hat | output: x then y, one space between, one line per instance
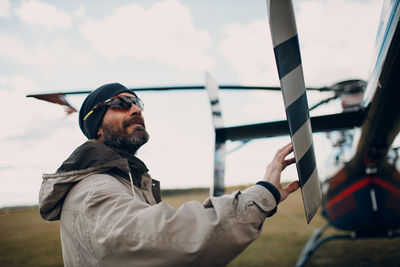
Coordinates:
91 125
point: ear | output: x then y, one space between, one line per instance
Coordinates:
100 135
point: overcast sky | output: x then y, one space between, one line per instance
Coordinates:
51 46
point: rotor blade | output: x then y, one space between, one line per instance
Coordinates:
324 101
58 98
194 87
325 123
288 60
220 147
185 88
200 87
222 87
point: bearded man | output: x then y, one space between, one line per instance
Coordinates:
110 209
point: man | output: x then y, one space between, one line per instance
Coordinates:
110 209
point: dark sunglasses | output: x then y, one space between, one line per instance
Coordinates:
118 102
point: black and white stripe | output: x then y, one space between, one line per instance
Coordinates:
288 60
218 188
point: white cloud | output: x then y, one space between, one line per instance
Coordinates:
38 13
80 12
250 53
36 137
336 39
15 49
17 82
4 8
58 53
178 140
164 32
20 118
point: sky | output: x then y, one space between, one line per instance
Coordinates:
56 46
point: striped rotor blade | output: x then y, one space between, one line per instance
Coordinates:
288 60
212 90
220 148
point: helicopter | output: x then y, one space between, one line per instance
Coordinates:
362 195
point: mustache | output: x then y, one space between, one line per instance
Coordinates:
133 120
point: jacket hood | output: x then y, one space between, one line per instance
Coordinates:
89 158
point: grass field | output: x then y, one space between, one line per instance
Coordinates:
27 240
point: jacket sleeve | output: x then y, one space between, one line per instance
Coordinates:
127 231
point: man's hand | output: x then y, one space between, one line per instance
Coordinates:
274 169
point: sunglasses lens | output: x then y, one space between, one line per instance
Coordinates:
118 103
125 102
139 103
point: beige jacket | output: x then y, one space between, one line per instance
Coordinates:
106 221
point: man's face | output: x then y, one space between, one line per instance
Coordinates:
124 129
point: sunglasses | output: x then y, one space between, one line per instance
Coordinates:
118 102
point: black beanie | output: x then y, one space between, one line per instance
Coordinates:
91 125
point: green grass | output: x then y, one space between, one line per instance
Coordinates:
27 240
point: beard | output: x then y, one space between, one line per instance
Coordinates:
120 137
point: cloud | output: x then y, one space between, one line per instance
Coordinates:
4 8
45 15
165 33
336 39
14 49
36 137
181 138
249 51
26 159
80 12
16 82
21 113
50 55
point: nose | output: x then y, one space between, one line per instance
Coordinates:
135 110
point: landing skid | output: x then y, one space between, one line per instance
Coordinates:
316 241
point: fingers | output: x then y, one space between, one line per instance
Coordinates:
293 186
287 149
288 162
274 169
284 151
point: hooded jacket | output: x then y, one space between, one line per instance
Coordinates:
106 220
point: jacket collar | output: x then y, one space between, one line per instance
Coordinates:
89 158
137 167
95 154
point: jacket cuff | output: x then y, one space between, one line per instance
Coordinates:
274 191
